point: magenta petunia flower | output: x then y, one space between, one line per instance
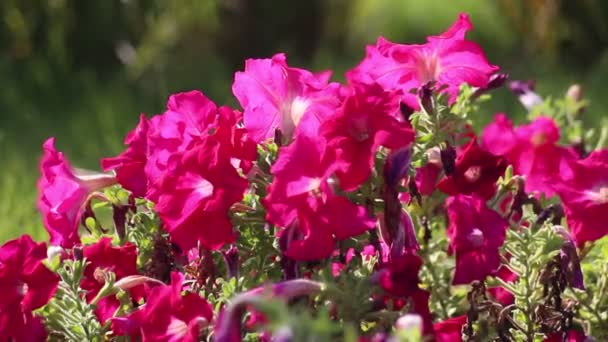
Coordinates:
25 285
189 120
476 172
585 197
476 233
364 122
276 96
168 315
129 165
450 330
62 194
532 150
301 195
189 117
103 257
449 60
194 199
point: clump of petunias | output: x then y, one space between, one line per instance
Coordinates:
302 194
585 197
276 96
62 194
26 284
532 150
475 234
448 60
168 315
365 121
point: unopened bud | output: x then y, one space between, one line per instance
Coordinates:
132 281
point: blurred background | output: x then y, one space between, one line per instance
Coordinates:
82 71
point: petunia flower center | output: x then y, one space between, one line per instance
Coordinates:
291 114
476 237
538 139
358 130
600 196
21 288
473 173
428 67
204 188
177 328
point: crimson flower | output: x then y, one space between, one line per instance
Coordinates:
532 150
476 233
62 194
476 172
194 199
25 285
363 123
189 119
301 195
103 257
129 165
168 315
449 60
275 95
585 197
450 330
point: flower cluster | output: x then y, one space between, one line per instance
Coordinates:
322 211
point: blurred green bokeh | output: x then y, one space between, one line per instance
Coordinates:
82 71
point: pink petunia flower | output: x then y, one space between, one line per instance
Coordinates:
476 233
476 172
448 60
194 199
189 117
189 120
276 96
25 285
103 257
585 197
532 150
364 122
62 194
168 315
450 330
129 165
301 195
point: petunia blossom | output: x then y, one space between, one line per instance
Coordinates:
363 123
26 284
475 235
532 150
194 199
190 118
62 193
301 195
276 96
168 315
449 60
450 330
584 197
102 257
129 165
476 172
